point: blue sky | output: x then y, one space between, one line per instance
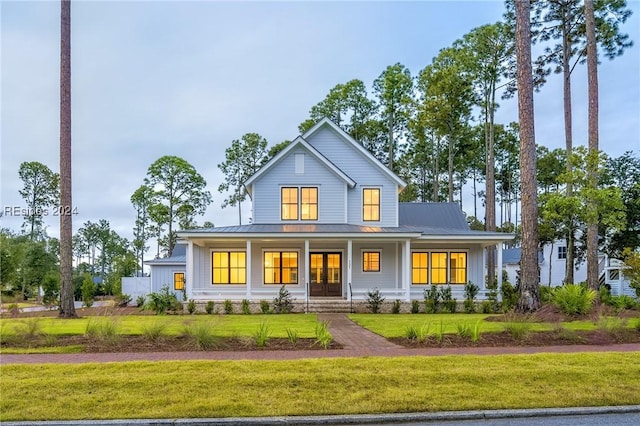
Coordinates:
186 78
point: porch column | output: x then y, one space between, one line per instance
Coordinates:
499 265
406 269
349 255
485 271
307 268
248 269
189 275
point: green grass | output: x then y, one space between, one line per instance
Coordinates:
72 349
316 386
227 325
397 325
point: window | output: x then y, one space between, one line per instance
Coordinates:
371 204
458 268
309 204
289 198
420 268
371 261
178 280
304 208
229 267
562 252
438 268
280 267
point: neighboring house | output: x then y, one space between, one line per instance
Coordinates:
552 264
327 224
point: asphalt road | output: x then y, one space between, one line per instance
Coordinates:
623 419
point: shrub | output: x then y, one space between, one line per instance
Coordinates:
573 299
449 304
623 302
154 331
191 306
323 336
283 303
419 334
103 328
395 309
262 335
470 292
228 306
492 296
245 307
518 326
613 326
208 308
374 300
51 288
140 301
464 330
509 296
292 335
202 334
265 308
415 306
476 331
431 299
88 291
487 307
604 293
122 300
545 294
439 333
162 301
31 327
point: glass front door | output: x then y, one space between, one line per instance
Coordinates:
326 274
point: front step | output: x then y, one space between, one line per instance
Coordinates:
326 306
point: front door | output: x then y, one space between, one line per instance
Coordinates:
326 274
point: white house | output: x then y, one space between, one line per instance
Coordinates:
327 224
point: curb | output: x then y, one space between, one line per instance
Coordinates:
349 419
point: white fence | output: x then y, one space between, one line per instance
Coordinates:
136 286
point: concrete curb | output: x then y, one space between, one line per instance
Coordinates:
351 419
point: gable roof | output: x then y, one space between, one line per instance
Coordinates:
325 122
432 215
511 256
300 142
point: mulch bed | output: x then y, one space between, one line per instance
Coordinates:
128 343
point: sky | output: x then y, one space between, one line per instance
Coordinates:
155 78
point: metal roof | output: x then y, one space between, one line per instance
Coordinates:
434 215
299 228
178 257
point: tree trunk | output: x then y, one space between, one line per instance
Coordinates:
450 168
67 308
568 136
592 163
529 298
391 141
490 212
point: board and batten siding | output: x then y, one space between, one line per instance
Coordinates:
364 172
331 189
163 276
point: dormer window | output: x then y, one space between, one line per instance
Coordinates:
299 203
371 204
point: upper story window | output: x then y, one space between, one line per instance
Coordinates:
299 203
371 204
309 204
562 252
289 197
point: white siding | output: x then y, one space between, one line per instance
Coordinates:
266 190
386 280
162 276
364 172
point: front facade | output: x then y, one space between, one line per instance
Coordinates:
327 224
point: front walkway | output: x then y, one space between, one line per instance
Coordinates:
356 342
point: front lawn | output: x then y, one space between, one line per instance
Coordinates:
316 386
391 326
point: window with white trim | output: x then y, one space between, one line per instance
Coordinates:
228 267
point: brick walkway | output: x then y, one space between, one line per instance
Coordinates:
356 341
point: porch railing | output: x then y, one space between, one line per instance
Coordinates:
350 299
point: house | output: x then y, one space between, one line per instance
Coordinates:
327 224
552 264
